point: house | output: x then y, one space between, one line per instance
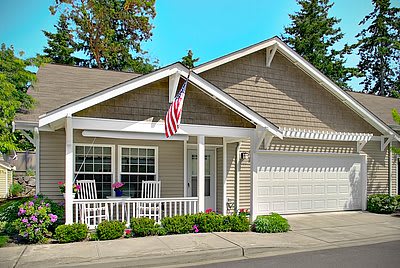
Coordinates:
6 178
261 129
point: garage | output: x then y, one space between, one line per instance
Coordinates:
308 182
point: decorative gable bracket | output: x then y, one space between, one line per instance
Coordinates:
270 54
385 141
360 145
173 85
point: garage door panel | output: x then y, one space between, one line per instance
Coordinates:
301 183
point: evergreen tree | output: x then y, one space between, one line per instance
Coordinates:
188 60
109 31
379 49
60 45
312 34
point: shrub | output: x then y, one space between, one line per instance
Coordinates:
3 225
273 223
143 227
238 223
3 240
108 230
382 203
34 219
16 189
71 233
210 222
161 231
177 224
398 201
9 210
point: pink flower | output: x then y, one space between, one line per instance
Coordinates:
60 183
21 211
195 228
31 203
117 185
53 218
209 210
33 218
24 220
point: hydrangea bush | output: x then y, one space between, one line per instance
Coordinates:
34 220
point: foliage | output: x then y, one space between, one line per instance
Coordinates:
379 49
273 223
61 187
3 240
14 83
313 35
34 219
238 223
108 31
60 45
16 189
108 230
30 172
9 210
3 225
71 233
210 222
177 224
381 203
143 227
188 60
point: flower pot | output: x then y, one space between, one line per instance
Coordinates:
118 192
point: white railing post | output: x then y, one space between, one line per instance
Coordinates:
69 165
200 172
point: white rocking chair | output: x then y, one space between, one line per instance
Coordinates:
91 213
150 190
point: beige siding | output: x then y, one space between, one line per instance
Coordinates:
3 182
244 178
170 160
208 141
284 94
220 180
151 103
52 161
231 165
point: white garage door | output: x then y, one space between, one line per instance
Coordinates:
297 183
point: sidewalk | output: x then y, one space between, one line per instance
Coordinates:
309 232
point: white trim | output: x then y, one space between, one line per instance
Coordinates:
224 175
201 172
325 135
102 124
397 175
69 168
307 153
140 81
36 137
238 167
193 146
307 68
364 174
173 85
119 156
384 143
185 169
215 178
132 135
390 171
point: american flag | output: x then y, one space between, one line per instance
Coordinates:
173 116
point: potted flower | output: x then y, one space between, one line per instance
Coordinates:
117 188
75 188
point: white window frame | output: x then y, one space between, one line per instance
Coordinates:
93 172
138 147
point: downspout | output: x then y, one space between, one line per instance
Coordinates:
237 176
390 169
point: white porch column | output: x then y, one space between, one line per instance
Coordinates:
69 175
224 175
201 172
253 184
36 138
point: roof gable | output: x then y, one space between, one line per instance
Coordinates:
306 67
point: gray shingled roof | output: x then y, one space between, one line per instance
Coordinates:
58 85
378 105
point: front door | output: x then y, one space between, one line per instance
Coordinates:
209 172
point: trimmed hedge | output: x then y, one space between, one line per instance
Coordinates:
273 223
71 233
143 227
177 224
382 203
108 230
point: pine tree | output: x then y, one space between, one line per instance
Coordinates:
379 49
312 34
60 44
188 60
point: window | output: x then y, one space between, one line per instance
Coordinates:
137 164
95 163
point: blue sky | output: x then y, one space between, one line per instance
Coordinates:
211 28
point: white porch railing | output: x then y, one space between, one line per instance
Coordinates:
93 211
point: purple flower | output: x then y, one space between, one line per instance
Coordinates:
195 229
36 230
21 211
47 204
40 207
53 218
31 203
41 221
24 220
28 225
35 196
33 218
25 234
